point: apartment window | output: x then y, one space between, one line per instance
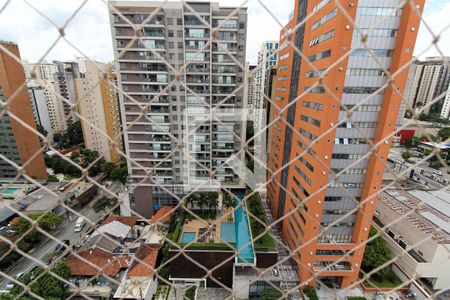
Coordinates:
312 105
365 72
282 78
306 163
283 67
376 32
320 55
378 11
315 90
300 186
170 34
303 175
362 90
346 156
366 108
179 21
324 19
307 134
322 38
310 120
351 141
372 52
312 74
284 56
358 125
320 5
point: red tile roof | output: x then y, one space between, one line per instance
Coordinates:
164 215
127 220
108 263
145 261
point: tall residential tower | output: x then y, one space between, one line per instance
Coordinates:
18 144
170 74
326 219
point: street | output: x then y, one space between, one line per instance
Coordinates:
402 166
66 233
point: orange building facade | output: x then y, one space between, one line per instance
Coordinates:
325 71
19 144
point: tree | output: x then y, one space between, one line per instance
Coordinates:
213 201
202 201
102 203
41 130
377 254
46 222
191 200
228 201
311 293
72 136
406 155
50 287
444 133
271 293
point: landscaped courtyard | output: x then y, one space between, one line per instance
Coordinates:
215 224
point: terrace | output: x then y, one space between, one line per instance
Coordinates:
222 226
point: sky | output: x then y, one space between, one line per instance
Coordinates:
33 24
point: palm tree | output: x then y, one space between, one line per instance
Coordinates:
212 201
202 201
191 200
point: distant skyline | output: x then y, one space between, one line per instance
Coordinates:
90 33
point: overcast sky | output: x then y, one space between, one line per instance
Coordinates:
89 29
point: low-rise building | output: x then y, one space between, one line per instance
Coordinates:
418 233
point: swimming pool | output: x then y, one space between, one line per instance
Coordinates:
188 237
227 232
9 191
243 237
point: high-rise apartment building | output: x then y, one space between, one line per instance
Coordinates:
43 75
251 89
327 218
267 58
430 81
39 106
445 111
64 87
18 144
99 108
173 45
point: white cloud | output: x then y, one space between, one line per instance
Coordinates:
90 32
436 16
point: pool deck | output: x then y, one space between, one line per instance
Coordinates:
227 216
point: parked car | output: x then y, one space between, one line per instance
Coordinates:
61 247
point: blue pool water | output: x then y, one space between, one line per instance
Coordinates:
243 237
188 237
227 232
9 191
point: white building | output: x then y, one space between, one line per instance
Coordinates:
44 77
418 234
91 108
38 101
445 111
431 78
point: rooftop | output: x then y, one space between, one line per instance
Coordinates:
127 220
114 228
107 263
429 211
164 215
144 262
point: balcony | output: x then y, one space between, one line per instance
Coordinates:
325 266
195 68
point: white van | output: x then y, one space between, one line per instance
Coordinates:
80 224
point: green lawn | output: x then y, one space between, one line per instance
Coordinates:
356 298
382 283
